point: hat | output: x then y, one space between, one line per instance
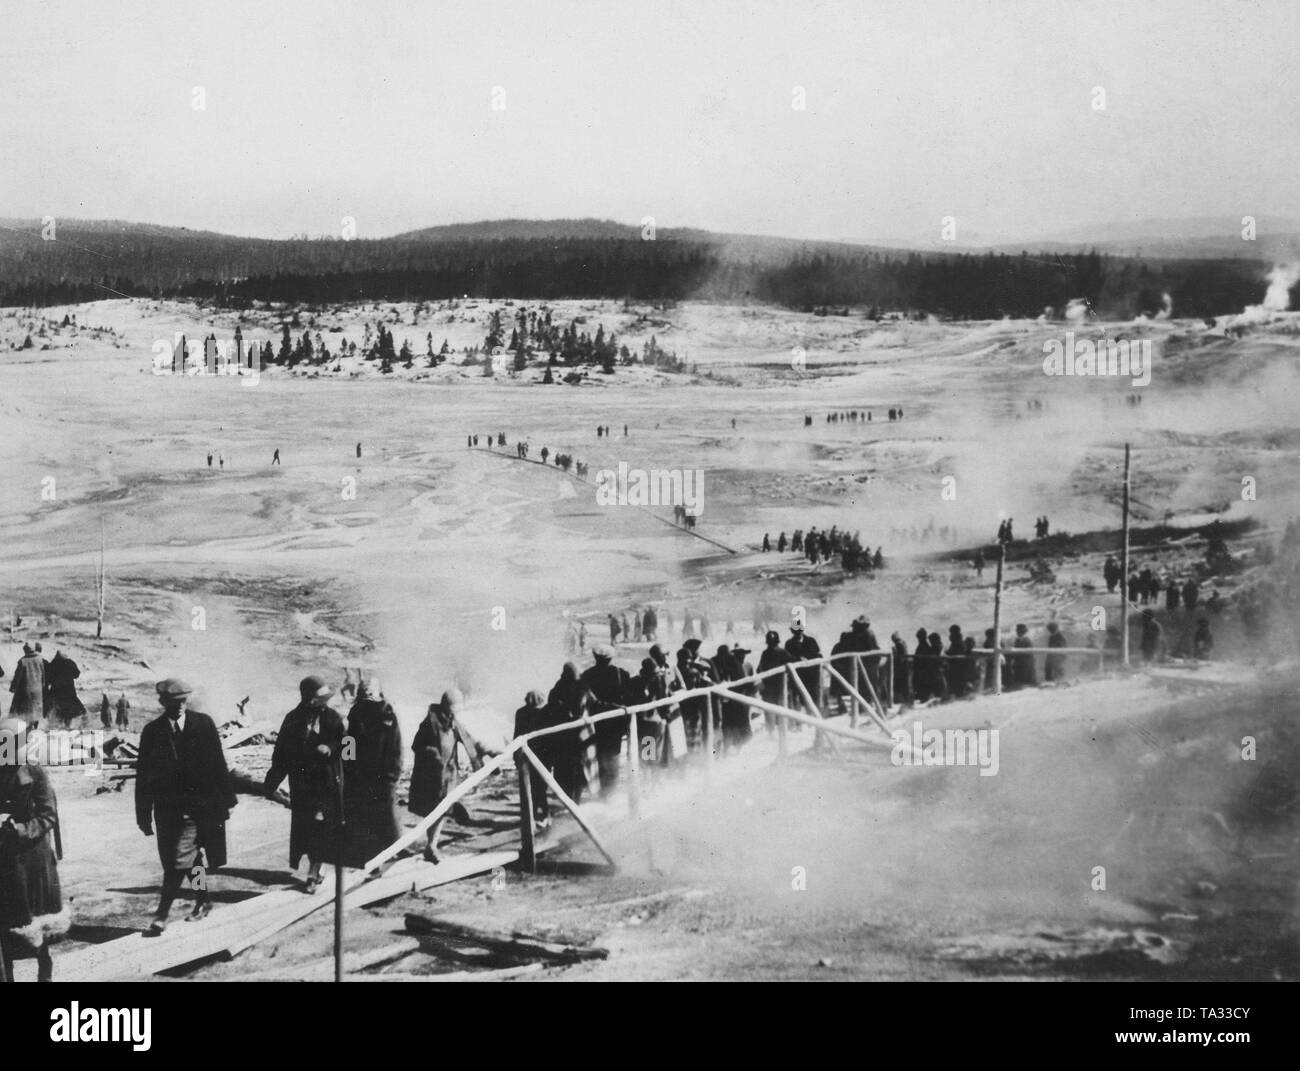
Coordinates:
657 652
649 665
173 688
603 651
772 637
27 649
370 689
452 699
314 687
861 619
692 643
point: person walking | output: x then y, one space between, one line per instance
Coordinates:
32 912
371 769
182 788
307 752
436 771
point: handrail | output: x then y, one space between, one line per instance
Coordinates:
723 689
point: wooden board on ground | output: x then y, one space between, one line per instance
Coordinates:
232 929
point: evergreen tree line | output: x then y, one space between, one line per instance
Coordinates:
238 272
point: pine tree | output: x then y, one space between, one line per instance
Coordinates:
493 341
286 346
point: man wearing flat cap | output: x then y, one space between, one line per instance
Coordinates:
182 788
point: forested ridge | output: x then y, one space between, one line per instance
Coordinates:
91 260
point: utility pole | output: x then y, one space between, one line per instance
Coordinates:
99 620
1123 568
338 877
997 621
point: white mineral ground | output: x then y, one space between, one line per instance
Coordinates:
910 872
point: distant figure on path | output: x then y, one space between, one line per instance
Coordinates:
209 459
358 449
275 459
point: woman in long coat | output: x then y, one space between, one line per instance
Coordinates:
534 715
571 749
28 686
32 913
370 778
307 752
436 772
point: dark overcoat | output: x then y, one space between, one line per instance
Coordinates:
28 687
184 774
29 843
61 674
371 769
313 779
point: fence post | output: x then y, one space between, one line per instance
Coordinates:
853 700
781 745
708 732
633 767
527 843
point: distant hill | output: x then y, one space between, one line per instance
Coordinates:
1205 237
593 258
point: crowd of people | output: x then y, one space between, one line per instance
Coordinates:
46 688
852 416
825 545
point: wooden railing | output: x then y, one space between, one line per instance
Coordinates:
857 684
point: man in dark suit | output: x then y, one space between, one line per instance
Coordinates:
183 786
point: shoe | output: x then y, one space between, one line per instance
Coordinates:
201 911
312 884
430 856
156 928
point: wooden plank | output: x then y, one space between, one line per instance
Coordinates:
321 970
455 976
518 945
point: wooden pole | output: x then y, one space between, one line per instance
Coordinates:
1123 568
99 620
997 622
708 733
338 877
870 705
822 726
633 767
782 745
820 738
855 668
567 800
527 839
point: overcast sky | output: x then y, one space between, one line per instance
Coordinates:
682 111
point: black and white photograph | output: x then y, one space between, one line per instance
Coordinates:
651 491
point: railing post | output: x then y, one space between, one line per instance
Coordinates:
887 686
853 700
527 841
633 767
781 744
708 732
